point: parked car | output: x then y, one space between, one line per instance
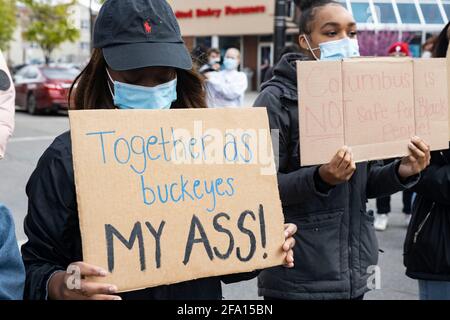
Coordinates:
17 68
43 88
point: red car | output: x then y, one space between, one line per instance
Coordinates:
43 88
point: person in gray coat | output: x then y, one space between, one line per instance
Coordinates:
337 248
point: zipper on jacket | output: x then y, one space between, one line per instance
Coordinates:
416 235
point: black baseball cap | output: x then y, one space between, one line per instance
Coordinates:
140 33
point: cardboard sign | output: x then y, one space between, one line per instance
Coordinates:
175 195
373 105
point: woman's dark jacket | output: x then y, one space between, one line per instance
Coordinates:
336 248
427 245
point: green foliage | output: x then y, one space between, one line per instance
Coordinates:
7 22
49 26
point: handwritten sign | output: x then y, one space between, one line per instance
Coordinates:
175 195
374 105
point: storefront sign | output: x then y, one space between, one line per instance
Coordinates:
218 17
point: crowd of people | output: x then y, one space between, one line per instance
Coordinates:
329 231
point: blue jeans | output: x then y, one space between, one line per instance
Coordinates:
434 290
12 272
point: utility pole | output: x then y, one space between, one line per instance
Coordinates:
280 27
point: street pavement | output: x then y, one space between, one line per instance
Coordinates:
35 133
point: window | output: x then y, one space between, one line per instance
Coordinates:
431 13
85 24
203 41
447 10
85 45
31 73
408 13
385 12
22 72
266 39
229 42
362 12
60 73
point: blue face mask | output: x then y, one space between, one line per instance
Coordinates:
128 96
337 50
230 64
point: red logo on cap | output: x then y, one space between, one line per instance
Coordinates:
148 27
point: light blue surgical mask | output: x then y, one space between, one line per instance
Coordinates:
336 50
230 64
339 49
128 96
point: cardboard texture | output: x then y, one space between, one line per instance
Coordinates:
373 105
150 217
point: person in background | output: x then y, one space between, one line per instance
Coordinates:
213 64
427 244
384 209
227 88
399 49
12 273
428 47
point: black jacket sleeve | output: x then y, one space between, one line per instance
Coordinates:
298 186
384 180
51 224
435 182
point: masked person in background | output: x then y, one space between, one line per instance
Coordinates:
213 64
227 87
12 273
336 238
133 66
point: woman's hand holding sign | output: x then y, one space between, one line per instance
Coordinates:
340 169
73 285
417 161
290 230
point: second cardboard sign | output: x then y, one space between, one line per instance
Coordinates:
374 105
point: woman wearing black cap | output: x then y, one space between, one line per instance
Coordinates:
140 61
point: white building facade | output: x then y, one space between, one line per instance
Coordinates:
419 18
78 52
